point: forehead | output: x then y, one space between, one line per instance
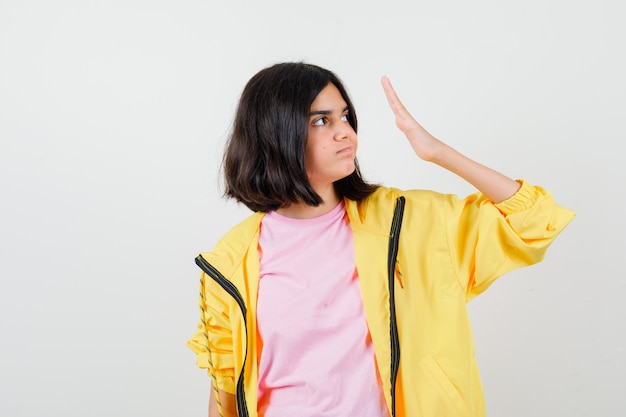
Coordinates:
329 99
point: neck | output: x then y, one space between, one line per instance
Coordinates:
302 211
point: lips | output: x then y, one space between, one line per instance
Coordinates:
347 149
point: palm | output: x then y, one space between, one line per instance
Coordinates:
422 142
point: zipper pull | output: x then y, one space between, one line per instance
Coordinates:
398 274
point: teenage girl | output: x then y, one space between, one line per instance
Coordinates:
338 297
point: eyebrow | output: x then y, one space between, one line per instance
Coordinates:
326 112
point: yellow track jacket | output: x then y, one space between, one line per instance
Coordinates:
420 257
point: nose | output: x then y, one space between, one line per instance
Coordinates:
343 131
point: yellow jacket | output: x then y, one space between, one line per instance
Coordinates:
420 257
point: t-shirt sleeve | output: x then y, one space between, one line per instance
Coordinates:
212 341
488 240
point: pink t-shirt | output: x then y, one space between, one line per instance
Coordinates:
317 357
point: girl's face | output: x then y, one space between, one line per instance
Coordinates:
331 142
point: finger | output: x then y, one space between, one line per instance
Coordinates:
394 101
390 93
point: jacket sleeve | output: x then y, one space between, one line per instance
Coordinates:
212 341
487 240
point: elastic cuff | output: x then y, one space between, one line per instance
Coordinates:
225 383
523 199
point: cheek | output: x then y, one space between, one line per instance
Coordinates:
315 152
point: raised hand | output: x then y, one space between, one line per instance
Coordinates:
423 143
495 185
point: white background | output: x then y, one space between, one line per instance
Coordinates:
113 116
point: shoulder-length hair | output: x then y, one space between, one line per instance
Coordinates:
264 161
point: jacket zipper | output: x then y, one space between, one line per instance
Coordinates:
392 255
229 287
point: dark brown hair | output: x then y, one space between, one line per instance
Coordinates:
264 161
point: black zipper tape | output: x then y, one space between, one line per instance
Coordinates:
392 255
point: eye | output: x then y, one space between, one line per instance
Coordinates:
345 117
319 122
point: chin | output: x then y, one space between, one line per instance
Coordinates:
348 173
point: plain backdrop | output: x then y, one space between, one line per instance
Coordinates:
113 117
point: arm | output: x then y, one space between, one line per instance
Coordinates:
496 186
212 342
229 404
